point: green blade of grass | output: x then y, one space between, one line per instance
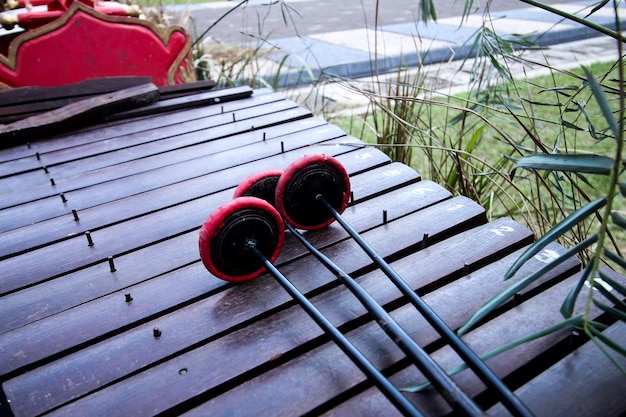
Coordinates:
504 295
608 341
617 313
603 102
576 321
567 308
619 219
554 233
613 283
586 164
615 258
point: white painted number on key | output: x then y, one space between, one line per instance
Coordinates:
456 207
602 283
391 173
546 256
420 191
500 231
365 155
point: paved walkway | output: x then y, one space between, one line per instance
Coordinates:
339 38
312 17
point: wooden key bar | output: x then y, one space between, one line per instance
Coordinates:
26 305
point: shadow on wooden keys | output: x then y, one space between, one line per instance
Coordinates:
71 41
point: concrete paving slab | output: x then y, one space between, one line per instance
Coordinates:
507 25
315 53
381 42
438 31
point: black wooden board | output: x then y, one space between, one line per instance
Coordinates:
584 375
18 103
78 113
109 130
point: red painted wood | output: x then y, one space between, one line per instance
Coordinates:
83 43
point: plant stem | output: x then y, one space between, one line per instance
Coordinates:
614 178
613 34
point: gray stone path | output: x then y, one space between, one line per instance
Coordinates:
340 38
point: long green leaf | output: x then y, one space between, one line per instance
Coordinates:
600 5
509 292
603 102
615 258
608 341
567 308
618 219
576 321
608 294
469 148
570 125
556 232
613 283
619 314
428 11
585 164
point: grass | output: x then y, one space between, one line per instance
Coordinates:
449 141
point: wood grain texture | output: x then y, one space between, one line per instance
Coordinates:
79 112
92 263
18 103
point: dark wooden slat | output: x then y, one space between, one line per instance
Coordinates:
178 101
72 344
520 321
93 171
325 373
77 113
36 95
98 207
587 375
281 332
185 89
104 131
402 233
275 113
182 315
46 202
239 121
57 295
24 180
25 270
19 103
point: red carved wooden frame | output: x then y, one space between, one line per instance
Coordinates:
84 44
